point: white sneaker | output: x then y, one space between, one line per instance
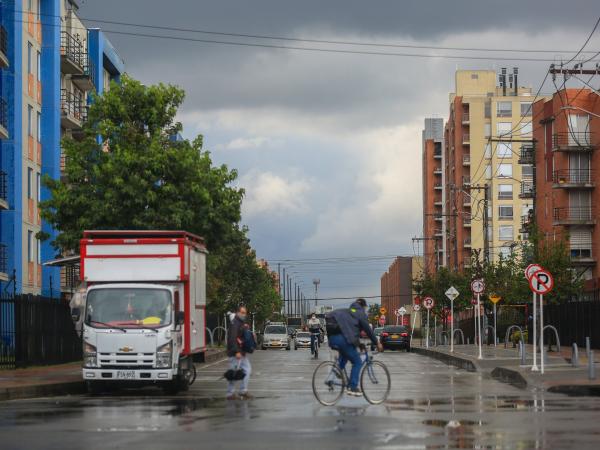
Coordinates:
354 393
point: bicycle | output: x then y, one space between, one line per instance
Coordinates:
329 381
315 344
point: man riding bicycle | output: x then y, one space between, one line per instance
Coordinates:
343 333
314 327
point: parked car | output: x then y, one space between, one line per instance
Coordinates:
302 340
276 336
395 337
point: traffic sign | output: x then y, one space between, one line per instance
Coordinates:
531 269
495 298
428 302
541 282
382 320
400 311
383 311
451 293
416 307
477 286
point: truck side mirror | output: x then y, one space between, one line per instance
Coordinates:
180 318
75 314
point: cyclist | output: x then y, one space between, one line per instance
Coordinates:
343 333
314 327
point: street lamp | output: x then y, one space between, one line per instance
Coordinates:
316 282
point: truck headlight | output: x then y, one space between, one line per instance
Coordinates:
164 355
89 355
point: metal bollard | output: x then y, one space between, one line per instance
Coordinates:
591 367
468 341
544 355
575 355
523 355
587 346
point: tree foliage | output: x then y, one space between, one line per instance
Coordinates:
128 172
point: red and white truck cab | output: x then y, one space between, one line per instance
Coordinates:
145 307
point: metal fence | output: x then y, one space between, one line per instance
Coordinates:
575 321
36 330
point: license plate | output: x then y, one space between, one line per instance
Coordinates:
126 374
395 336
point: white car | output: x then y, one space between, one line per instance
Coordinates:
276 336
302 340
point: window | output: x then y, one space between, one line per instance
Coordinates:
527 172
526 109
39 251
474 76
488 171
505 212
30 246
487 130
38 180
505 192
39 66
29 5
580 242
503 128
505 170
505 233
488 150
29 119
504 150
29 56
38 126
504 109
526 129
29 182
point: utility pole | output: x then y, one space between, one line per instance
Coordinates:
316 282
283 291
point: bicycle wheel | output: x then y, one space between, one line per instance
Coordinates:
328 383
375 382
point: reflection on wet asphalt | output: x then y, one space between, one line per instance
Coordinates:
431 406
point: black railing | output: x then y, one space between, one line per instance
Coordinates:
527 155
527 189
73 48
3 113
573 176
36 331
573 139
3 186
3 40
574 214
73 105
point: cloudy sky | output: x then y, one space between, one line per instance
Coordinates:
328 145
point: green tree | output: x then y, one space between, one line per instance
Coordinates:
127 172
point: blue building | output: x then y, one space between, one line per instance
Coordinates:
49 64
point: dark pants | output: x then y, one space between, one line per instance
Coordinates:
313 337
348 352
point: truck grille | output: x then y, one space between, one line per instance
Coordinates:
126 360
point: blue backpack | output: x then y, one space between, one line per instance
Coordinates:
248 341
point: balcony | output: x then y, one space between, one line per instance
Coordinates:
527 190
3 262
437 171
438 186
467 262
438 218
3 48
438 233
527 155
73 110
467 222
437 202
466 181
574 216
573 179
85 81
465 118
466 139
73 55
526 222
582 257
467 242
573 141
466 160
3 119
467 202
3 190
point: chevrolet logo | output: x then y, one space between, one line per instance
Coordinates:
126 349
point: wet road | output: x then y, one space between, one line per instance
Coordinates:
431 406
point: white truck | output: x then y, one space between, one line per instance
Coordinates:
145 308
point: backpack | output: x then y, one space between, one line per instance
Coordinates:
331 325
248 344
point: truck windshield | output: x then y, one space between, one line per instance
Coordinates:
128 308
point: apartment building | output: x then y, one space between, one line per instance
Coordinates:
47 73
397 283
567 134
486 189
434 225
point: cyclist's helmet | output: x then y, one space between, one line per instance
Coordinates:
362 302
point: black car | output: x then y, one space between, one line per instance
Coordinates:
395 337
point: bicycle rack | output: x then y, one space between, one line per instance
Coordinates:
224 331
508 330
462 336
555 334
210 334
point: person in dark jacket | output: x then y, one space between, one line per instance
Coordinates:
343 329
237 358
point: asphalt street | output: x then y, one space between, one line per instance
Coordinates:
431 406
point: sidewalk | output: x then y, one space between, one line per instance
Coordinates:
63 379
504 364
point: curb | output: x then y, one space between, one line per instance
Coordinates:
576 390
43 390
451 360
509 376
215 356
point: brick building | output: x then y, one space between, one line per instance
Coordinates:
397 283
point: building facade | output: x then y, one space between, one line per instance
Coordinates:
434 225
46 76
397 284
567 134
486 189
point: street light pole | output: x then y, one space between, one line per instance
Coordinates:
316 282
